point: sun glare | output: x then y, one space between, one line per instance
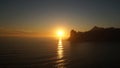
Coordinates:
60 33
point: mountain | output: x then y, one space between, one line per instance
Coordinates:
96 34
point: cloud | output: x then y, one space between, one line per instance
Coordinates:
9 32
18 33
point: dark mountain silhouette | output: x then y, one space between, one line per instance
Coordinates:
96 34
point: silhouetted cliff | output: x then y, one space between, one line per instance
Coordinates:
96 34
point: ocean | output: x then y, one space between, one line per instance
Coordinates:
18 52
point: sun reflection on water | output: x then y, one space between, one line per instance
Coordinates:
60 50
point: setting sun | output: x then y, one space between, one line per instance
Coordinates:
60 33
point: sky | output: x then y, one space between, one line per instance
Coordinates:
43 17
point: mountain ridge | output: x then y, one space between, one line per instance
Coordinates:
96 34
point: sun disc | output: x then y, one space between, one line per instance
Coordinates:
60 33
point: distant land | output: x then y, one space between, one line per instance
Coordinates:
96 34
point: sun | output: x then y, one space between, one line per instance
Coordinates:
60 33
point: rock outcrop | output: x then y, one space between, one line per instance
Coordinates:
96 34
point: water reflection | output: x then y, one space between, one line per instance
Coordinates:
60 50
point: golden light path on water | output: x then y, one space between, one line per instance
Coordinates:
60 51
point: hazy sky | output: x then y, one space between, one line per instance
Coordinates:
44 16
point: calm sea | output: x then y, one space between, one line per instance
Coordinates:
52 53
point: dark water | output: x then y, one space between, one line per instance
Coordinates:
51 53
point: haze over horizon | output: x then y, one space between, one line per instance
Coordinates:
43 17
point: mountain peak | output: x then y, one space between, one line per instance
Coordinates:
96 28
